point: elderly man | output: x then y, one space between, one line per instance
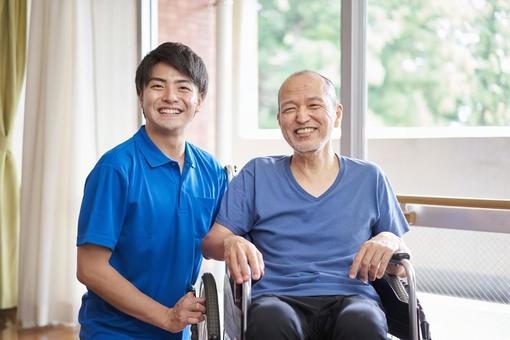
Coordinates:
313 227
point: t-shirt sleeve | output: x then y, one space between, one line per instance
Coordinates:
103 207
237 206
391 217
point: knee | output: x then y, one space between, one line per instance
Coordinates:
273 320
364 323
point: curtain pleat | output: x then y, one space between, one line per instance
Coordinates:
13 15
80 101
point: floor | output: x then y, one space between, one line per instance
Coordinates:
10 331
453 318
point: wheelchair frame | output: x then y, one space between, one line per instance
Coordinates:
396 294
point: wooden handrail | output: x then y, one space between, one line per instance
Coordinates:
455 202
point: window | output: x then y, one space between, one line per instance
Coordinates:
438 63
294 35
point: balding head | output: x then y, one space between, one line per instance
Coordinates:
328 87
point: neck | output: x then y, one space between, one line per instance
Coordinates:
315 172
173 146
324 160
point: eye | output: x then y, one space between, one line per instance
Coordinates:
156 86
315 106
185 88
289 109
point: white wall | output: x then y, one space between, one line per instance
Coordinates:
467 167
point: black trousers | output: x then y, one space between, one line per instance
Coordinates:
316 317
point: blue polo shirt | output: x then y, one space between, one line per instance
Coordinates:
137 203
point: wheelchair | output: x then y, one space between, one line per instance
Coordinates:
404 314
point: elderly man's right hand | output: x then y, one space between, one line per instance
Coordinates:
242 256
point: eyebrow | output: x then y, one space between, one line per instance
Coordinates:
156 79
290 101
315 98
178 81
286 102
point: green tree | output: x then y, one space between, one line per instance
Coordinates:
295 35
430 63
440 63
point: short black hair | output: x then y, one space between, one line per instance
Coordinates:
180 57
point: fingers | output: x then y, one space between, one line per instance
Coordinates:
233 267
188 310
384 264
371 261
395 269
243 258
256 263
357 263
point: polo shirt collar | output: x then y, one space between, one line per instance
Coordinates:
153 154
189 158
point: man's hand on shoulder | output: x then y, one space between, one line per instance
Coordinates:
372 259
242 256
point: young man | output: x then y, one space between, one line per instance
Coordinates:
147 205
314 227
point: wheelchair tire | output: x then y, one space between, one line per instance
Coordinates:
210 328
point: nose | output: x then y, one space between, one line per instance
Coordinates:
302 115
170 94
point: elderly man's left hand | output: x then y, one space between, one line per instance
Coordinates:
372 259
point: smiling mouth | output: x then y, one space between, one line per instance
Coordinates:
169 111
304 131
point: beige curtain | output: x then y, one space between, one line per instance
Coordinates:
12 66
80 101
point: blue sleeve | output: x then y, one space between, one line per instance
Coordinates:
222 187
103 207
391 217
237 206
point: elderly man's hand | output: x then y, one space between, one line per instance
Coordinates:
241 256
373 257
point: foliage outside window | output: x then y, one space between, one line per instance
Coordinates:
438 63
295 35
429 63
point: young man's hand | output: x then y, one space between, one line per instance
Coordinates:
188 310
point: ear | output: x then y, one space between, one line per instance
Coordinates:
338 115
140 100
278 119
200 101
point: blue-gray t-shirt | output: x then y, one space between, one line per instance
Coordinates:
308 243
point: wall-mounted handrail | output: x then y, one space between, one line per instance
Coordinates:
455 202
492 215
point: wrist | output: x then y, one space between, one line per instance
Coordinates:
167 322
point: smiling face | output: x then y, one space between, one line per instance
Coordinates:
307 112
169 101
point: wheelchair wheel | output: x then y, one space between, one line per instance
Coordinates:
210 328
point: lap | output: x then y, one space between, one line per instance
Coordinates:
317 317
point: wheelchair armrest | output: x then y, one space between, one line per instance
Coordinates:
399 256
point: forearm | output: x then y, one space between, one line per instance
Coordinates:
95 271
120 293
213 244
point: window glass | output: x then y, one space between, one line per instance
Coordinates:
295 35
438 63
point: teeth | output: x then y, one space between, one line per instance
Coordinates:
304 130
169 111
